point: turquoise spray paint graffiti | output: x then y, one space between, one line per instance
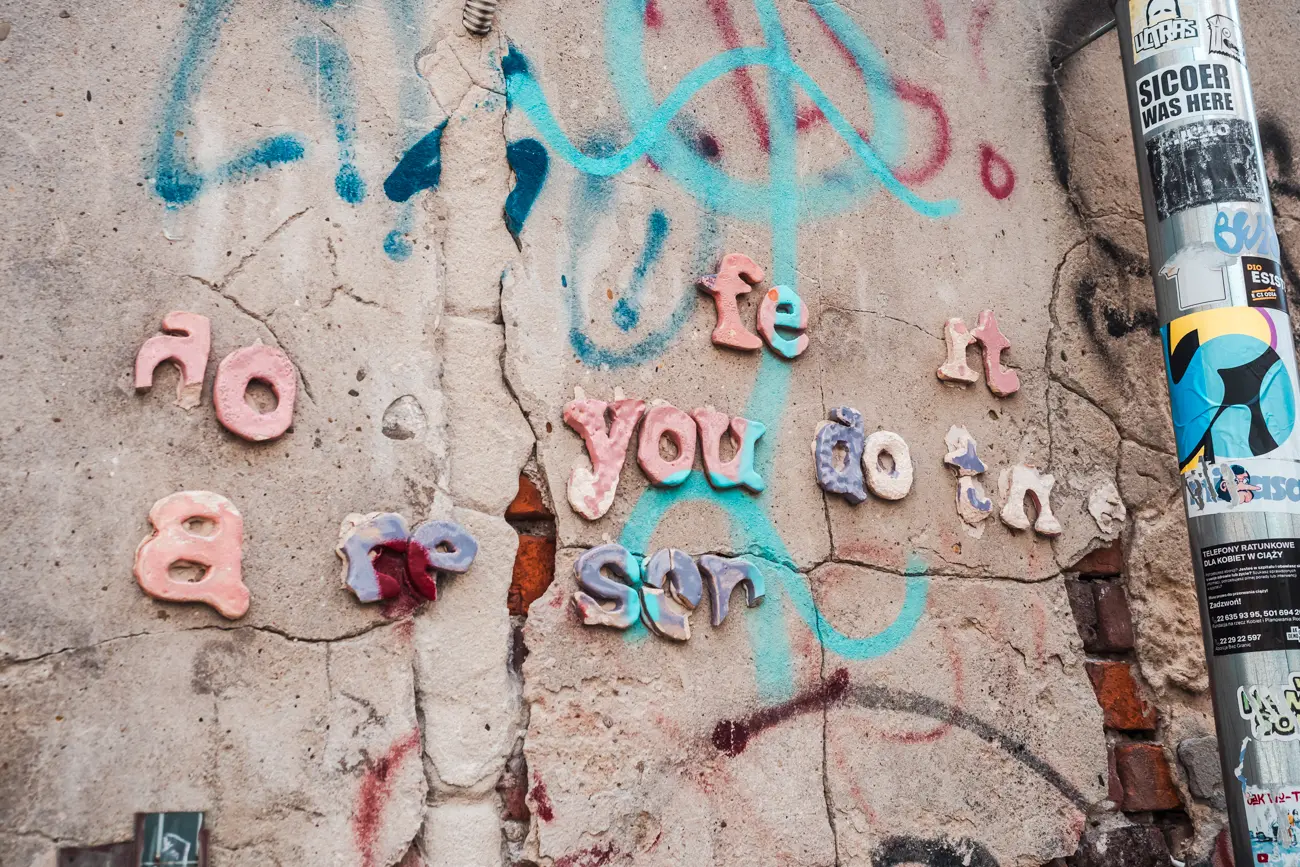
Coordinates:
529 161
783 202
330 69
176 180
627 310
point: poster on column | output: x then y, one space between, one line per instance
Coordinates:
1232 390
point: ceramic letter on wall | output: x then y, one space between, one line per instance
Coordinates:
222 584
434 547
955 369
591 491
358 536
843 432
666 420
739 470
733 279
1021 481
895 482
264 364
723 575
186 341
670 574
782 308
627 604
1002 382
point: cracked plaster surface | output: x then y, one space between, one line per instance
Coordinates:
117 703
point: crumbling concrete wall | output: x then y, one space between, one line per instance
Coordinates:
447 235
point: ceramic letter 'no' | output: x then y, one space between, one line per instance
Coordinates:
591 491
265 364
222 584
187 348
733 278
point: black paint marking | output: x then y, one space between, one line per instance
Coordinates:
878 697
936 852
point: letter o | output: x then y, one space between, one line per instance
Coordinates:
265 364
888 484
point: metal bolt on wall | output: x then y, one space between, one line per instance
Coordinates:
1231 373
478 16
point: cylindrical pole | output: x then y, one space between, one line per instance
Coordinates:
1231 374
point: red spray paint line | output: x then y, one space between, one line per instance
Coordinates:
654 16
722 17
541 800
919 96
934 12
593 857
979 19
996 173
732 736
375 793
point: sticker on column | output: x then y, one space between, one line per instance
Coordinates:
1272 815
1159 25
1252 590
1232 388
1264 284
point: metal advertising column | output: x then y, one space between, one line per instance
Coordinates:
1231 373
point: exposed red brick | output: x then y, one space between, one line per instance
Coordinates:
1144 773
514 793
1114 620
1083 604
534 572
1114 788
1105 561
1122 705
528 504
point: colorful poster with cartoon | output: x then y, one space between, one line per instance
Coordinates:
1273 817
1232 388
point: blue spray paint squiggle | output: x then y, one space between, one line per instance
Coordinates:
331 68
627 310
529 161
176 180
783 201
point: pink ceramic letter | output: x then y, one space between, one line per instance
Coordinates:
744 434
222 585
591 491
955 369
185 342
666 420
265 364
732 279
1002 382
783 308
